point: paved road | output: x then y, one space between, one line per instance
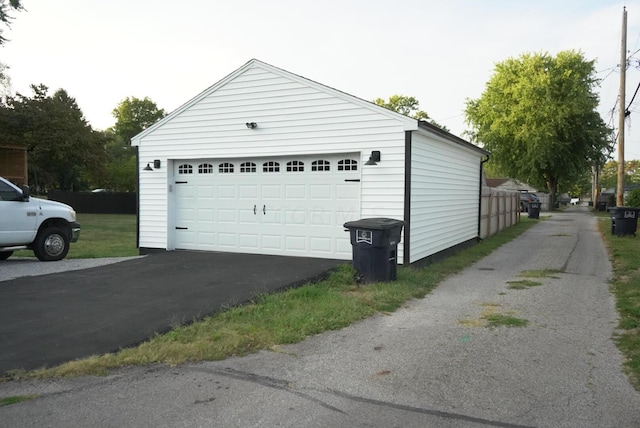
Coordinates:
430 364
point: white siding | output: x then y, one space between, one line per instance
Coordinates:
444 195
294 117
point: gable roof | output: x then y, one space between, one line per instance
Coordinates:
410 124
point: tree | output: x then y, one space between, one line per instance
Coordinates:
133 115
6 7
609 173
407 106
537 116
63 150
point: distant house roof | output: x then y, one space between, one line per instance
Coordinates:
627 188
496 182
509 184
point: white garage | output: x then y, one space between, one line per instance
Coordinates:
269 162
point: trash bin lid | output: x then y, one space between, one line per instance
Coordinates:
379 223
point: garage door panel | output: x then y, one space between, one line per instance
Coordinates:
227 192
291 211
248 241
295 243
295 191
227 240
249 192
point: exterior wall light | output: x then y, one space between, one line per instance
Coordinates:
374 158
251 125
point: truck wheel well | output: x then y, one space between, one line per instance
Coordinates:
54 222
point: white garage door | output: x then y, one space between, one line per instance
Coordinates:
285 206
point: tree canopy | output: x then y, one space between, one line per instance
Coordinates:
63 149
538 118
409 106
6 7
134 115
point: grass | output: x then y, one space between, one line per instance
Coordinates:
625 284
14 399
541 273
497 320
282 318
101 235
522 284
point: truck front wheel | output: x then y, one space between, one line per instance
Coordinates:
4 255
51 244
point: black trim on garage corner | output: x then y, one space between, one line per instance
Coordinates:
138 200
406 248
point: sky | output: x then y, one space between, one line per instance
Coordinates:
440 52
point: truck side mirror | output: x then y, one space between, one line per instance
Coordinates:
25 193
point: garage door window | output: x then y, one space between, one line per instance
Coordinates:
205 168
271 167
225 168
247 167
320 165
348 165
295 166
185 168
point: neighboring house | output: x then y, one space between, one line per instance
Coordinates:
509 184
269 162
13 163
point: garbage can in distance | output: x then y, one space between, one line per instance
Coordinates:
534 209
624 220
374 243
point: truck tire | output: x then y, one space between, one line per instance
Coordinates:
51 244
4 255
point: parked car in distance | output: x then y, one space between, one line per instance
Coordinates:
525 199
575 201
46 227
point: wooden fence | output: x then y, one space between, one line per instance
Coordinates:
499 209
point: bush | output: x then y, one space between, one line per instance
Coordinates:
633 200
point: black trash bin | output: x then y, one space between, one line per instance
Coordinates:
624 220
602 205
534 210
374 242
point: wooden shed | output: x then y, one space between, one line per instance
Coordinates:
13 163
269 162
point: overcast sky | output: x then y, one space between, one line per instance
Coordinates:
441 52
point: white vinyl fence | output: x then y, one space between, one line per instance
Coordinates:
499 209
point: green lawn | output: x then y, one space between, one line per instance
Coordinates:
624 253
101 235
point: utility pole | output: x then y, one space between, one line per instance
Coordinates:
622 112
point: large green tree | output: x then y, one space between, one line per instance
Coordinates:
133 115
63 150
6 8
409 106
538 118
609 173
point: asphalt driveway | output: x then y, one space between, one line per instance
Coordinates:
50 319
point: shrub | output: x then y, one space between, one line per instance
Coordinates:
633 199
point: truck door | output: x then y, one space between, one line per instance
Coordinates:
18 218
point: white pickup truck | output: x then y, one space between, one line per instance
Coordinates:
46 227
